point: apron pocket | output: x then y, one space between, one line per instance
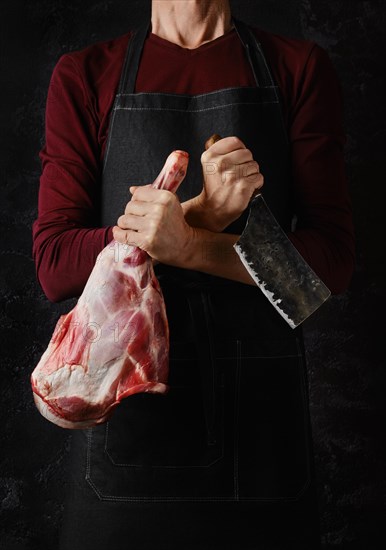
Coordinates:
155 446
161 431
272 419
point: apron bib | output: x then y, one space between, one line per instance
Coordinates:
234 427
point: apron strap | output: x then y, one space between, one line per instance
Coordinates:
261 72
254 52
132 59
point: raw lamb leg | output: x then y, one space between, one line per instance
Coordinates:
115 342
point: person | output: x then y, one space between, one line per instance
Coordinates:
224 460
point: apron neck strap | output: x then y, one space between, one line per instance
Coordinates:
256 58
133 56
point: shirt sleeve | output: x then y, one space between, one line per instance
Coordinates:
66 236
324 233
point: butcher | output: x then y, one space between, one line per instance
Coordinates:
224 460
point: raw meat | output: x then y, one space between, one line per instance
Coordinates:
115 342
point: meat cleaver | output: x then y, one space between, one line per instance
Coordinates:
275 265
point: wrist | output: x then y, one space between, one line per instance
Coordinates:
199 214
191 254
194 212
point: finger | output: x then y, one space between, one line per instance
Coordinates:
126 236
249 169
226 145
132 188
256 179
239 157
127 221
149 194
232 173
249 186
136 207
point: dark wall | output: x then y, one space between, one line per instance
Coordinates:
344 339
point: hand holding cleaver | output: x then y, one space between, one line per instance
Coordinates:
275 265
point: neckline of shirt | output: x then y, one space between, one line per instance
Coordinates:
176 48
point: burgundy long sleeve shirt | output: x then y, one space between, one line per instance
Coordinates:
67 236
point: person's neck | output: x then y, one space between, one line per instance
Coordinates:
190 23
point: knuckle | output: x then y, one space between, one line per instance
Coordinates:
205 157
163 198
251 172
169 196
229 176
237 141
153 225
146 241
121 220
127 238
243 188
158 210
252 179
136 193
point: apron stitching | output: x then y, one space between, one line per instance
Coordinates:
88 453
269 356
88 466
258 46
195 499
109 139
236 422
276 89
204 299
222 90
236 496
251 64
131 465
192 110
106 436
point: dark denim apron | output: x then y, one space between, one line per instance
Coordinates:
223 460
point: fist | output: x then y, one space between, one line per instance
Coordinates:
154 221
231 178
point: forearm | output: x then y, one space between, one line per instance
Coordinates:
328 248
213 253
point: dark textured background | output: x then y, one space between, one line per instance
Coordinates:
344 340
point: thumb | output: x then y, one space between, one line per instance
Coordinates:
132 188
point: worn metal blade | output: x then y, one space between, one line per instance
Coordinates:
277 267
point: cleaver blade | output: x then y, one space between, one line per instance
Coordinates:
277 267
